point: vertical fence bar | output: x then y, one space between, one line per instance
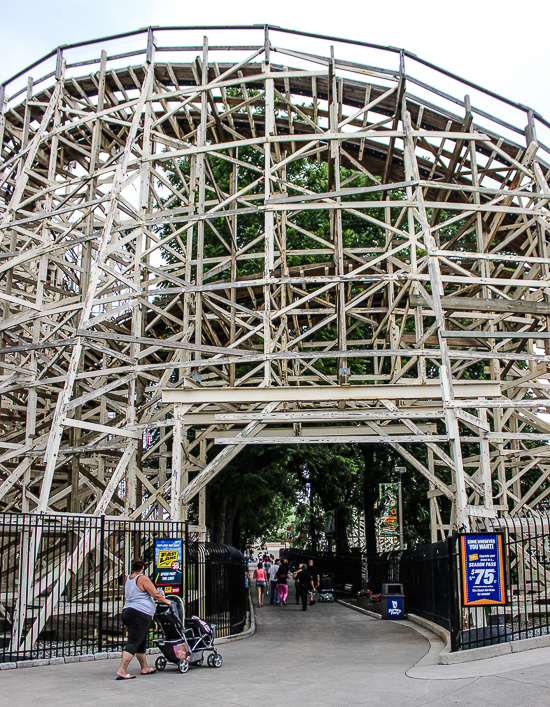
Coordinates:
101 583
455 608
186 568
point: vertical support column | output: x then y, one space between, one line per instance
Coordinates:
343 375
86 262
201 179
24 143
485 463
202 495
86 266
233 189
32 399
163 449
180 463
485 268
286 292
136 391
432 499
177 462
447 393
3 108
269 224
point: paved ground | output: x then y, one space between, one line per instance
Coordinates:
329 655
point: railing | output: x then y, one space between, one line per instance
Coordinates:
432 85
431 581
62 582
427 578
526 542
220 570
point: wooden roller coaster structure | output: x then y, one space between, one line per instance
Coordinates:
151 311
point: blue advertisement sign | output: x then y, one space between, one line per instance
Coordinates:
169 565
482 561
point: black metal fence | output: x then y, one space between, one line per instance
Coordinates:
216 586
427 577
432 583
526 541
62 582
345 569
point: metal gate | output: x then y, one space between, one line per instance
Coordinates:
62 582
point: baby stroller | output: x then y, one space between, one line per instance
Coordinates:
184 641
325 590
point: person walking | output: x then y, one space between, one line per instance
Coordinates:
306 585
267 566
138 610
273 596
296 585
316 578
260 577
282 583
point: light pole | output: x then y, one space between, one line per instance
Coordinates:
400 470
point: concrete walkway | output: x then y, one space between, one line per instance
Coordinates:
328 655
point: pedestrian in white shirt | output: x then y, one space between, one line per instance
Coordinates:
274 594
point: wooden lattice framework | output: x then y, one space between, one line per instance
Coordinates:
101 255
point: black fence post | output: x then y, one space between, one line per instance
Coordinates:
454 597
186 578
101 574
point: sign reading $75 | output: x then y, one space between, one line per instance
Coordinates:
482 565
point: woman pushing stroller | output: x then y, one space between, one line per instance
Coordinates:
139 608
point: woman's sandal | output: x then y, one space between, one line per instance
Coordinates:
125 677
151 671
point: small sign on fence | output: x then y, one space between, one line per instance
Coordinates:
169 565
482 565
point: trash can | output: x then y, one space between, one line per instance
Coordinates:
393 602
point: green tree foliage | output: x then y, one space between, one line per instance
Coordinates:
252 497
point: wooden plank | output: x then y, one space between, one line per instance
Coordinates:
495 334
337 439
102 429
321 393
328 416
476 304
331 431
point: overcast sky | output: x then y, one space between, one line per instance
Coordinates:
501 45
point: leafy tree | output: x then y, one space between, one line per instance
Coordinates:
251 497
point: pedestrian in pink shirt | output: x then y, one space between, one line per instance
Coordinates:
282 583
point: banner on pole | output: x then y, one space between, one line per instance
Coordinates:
330 525
289 534
387 502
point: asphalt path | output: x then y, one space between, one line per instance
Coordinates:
327 655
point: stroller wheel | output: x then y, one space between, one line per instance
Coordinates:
183 666
215 660
198 663
160 663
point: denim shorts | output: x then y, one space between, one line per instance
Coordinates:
259 583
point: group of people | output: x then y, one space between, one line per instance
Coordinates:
272 576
